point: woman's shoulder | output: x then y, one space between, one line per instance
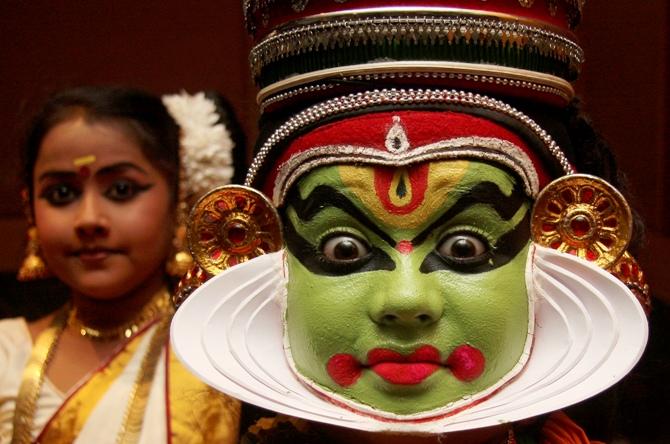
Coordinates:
14 332
17 336
15 346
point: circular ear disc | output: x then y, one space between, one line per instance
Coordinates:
232 224
585 216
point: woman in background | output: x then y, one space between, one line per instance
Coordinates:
103 190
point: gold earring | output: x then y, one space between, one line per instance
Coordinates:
585 216
181 260
33 266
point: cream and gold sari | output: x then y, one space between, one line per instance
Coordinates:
175 408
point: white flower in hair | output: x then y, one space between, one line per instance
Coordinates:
206 145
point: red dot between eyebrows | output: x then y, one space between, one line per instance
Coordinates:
84 172
404 247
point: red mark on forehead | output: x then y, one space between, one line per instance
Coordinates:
404 247
401 190
83 163
84 172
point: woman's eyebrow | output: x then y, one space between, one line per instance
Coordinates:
487 193
57 175
119 168
115 168
324 196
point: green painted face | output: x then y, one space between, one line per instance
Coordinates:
406 287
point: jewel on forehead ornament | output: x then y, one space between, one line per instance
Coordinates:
396 138
585 216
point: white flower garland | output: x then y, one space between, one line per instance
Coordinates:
206 145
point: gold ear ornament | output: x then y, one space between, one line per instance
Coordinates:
230 225
181 260
227 226
585 216
33 266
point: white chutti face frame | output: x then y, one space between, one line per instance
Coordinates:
590 331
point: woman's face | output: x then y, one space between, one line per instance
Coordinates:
103 211
406 286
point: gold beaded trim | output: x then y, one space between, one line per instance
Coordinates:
193 279
628 271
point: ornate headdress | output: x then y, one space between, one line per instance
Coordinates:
395 83
525 48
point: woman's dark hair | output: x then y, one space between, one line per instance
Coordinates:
141 114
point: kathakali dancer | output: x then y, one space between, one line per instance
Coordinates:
447 263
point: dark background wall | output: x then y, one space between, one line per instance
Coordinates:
166 46
162 46
625 84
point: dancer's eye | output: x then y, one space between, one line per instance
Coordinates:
462 247
344 248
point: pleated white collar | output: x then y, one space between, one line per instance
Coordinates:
589 332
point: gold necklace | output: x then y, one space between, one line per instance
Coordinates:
133 417
45 346
158 306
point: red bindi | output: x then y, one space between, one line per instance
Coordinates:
404 247
83 163
84 172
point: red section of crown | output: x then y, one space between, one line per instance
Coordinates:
265 15
421 127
